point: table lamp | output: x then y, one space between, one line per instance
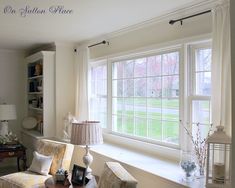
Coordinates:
87 133
7 112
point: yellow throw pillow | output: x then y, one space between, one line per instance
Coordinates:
57 150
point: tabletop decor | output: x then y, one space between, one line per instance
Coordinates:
199 146
78 175
60 175
9 139
218 172
188 165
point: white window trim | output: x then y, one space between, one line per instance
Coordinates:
171 153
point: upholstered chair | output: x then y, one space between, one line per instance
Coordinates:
115 176
62 154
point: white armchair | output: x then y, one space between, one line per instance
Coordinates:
62 153
115 176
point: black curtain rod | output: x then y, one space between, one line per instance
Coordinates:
103 42
181 19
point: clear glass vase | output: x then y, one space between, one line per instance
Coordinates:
188 165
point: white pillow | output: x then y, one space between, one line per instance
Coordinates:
41 163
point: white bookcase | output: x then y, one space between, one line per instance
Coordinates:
40 94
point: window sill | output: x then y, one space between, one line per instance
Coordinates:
173 154
168 170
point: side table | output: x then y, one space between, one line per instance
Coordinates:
18 151
51 183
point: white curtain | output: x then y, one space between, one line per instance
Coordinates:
221 67
82 81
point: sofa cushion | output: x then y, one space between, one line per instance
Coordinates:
23 180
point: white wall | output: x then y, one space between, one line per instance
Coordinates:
64 86
12 84
161 32
12 89
232 13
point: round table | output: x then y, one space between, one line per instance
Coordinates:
51 183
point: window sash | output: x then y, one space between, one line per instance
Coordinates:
193 95
110 64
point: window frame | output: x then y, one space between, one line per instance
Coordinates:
185 98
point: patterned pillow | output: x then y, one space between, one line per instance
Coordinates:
55 149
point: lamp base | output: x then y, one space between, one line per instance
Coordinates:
4 128
87 160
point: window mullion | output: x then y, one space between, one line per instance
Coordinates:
109 97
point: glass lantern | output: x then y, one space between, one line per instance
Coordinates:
218 172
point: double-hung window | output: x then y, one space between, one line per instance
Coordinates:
200 90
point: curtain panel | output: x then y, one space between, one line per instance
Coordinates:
221 67
82 84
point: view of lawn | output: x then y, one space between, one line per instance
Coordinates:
150 118
154 118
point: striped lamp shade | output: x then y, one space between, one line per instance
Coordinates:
86 133
7 112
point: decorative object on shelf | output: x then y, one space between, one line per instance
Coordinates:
39 85
29 123
78 175
7 112
87 133
187 164
218 171
38 69
68 126
199 146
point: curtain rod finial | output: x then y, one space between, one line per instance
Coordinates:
105 42
171 22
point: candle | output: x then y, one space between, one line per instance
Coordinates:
218 172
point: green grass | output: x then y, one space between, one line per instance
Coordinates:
144 123
151 128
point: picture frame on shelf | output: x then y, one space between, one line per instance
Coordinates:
78 175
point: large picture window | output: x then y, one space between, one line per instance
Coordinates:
145 97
